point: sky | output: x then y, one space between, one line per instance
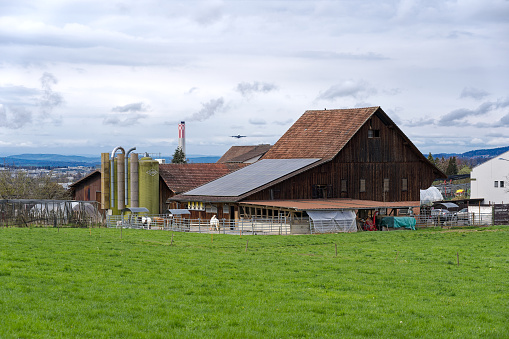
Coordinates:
82 77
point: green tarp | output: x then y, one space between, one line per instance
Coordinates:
399 222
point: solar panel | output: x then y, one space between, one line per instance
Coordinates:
251 177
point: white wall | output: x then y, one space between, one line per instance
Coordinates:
483 179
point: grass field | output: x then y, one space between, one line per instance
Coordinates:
77 283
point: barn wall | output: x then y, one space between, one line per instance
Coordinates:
164 194
88 189
388 156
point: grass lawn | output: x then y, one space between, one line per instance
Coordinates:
73 283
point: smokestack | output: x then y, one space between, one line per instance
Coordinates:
182 136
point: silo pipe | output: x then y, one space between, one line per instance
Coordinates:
112 174
127 175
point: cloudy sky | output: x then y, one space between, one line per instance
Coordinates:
81 77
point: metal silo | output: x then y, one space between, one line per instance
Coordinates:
149 184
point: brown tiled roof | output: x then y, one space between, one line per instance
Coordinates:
183 177
243 153
320 134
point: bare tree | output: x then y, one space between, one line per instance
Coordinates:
19 185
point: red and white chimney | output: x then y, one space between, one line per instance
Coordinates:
182 136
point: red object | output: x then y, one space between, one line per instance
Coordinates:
182 130
370 225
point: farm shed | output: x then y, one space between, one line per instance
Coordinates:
87 188
349 155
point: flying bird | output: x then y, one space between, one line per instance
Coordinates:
238 136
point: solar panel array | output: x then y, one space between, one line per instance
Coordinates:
251 177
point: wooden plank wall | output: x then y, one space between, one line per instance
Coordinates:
374 159
88 189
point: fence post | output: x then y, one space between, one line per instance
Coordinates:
199 225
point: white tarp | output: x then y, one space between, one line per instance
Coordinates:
431 195
333 221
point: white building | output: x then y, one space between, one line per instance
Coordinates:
490 180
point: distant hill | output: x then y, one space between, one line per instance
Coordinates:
50 160
474 157
57 160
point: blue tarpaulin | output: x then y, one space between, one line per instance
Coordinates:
399 222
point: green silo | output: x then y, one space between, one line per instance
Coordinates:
149 184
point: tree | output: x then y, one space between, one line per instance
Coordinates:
441 164
18 185
179 157
464 170
452 167
431 159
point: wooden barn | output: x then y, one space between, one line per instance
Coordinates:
87 188
336 155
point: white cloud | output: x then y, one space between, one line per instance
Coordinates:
219 64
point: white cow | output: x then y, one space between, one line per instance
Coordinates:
214 223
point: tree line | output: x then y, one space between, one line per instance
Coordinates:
450 166
19 185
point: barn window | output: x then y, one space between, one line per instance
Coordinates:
496 183
343 185
362 187
321 191
386 185
404 184
501 184
373 133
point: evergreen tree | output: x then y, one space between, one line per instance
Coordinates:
452 167
431 159
179 157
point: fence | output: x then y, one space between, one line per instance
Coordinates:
455 219
40 212
223 226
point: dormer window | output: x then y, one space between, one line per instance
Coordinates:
373 133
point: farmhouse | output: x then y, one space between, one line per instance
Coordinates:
489 180
329 160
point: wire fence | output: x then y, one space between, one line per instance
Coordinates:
253 226
280 226
454 219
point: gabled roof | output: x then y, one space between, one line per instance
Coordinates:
183 177
320 134
243 153
87 177
324 133
251 177
495 161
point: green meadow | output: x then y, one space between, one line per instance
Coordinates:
91 283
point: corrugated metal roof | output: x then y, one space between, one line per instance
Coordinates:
331 204
251 177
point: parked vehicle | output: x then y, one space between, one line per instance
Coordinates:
441 215
463 215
